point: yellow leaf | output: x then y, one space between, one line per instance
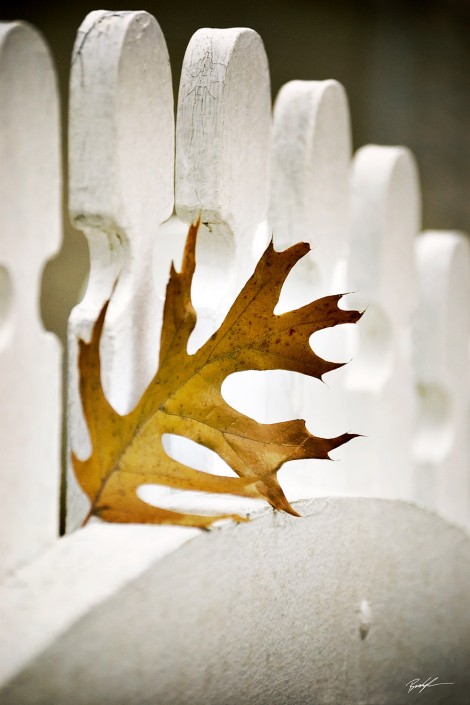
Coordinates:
184 398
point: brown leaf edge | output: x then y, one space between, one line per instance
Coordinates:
269 481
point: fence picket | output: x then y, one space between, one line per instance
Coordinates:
222 159
373 395
310 176
309 202
30 233
386 212
223 134
441 446
121 190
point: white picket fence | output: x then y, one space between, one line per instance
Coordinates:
248 172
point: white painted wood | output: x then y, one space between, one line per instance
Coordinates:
373 395
223 136
309 202
30 358
77 574
310 176
350 603
441 446
311 154
118 613
386 217
121 190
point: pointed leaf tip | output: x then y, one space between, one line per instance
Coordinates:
184 398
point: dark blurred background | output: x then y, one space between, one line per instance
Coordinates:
405 66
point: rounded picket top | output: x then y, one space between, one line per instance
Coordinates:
30 233
373 395
121 130
121 163
385 221
224 130
121 184
386 217
310 168
310 201
223 137
441 448
121 189
30 145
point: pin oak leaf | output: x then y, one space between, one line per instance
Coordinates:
184 398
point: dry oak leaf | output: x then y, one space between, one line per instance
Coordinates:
184 398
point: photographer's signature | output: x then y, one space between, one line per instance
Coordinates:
428 683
